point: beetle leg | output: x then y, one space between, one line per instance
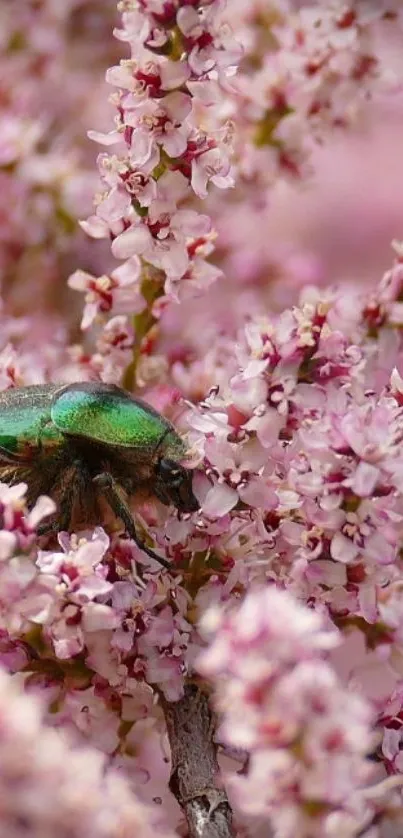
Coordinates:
108 487
60 523
47 529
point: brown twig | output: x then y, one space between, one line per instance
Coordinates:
195 769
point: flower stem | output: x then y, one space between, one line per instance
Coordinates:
190 725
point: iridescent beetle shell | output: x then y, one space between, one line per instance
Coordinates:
79 441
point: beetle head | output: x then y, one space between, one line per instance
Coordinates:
173 484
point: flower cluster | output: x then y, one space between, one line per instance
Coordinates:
86 588
306 735
293 563
314 75
170 142
301 447
50 788
300 486
324 64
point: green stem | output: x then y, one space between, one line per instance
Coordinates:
152 287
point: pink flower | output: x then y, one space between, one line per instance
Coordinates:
275 689
162 122
162 152
295 431
115 293
162 242
45 781
210 45
212 165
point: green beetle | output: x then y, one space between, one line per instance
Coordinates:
81 442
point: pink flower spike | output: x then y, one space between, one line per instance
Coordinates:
172 138
274 686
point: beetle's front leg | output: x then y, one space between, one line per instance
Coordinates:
60 523
109 489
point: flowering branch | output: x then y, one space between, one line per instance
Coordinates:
299 442
170 142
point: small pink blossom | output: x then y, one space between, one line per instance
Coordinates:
214 166
114 293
